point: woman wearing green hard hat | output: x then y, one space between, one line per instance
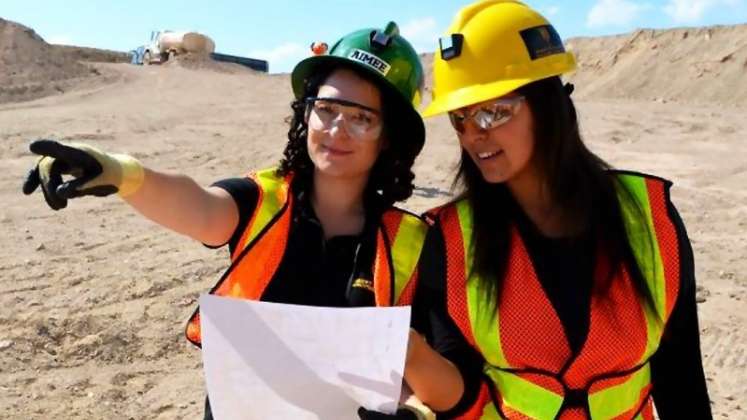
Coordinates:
553 286
320 228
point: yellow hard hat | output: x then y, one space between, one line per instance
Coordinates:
493 47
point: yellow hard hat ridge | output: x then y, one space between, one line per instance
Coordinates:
492 48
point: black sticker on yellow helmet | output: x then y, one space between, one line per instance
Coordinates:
542 41
451 46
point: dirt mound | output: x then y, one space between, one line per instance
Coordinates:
194 61
31 68
688 64
706 64
93 55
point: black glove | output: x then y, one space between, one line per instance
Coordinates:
94 172
402 414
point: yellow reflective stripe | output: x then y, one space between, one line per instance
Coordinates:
642 242
272 201
406 247
490 413
654 330
484 326
524 396
483 320
611 402
653 273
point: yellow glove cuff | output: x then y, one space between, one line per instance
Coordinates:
421 410
133 174
120 170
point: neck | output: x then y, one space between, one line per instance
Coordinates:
529 189
338 203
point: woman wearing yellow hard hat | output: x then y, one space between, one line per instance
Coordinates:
554 287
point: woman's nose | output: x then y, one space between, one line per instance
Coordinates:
472 132
337 126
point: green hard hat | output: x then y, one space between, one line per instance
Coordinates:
386 55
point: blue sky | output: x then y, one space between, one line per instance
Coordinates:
281 30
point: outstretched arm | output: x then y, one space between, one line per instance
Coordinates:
175 201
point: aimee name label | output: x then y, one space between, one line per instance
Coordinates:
370 60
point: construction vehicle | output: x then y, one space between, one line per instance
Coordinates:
165 45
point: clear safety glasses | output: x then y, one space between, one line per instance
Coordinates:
488 116
360 122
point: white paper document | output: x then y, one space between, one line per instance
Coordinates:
276 361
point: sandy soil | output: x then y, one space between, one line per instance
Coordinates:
93 299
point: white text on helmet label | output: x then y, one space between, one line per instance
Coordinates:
370 60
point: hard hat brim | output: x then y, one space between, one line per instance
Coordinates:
477 93
472 95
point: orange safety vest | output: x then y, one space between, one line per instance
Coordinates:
260 250
531 369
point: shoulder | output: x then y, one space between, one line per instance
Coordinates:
237 186
271 178
446 211
399 220
255 181
627 176
648 190
404 213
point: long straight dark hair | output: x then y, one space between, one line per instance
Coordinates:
578 182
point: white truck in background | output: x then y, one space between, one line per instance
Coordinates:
164 45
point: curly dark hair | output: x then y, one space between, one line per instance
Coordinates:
391 176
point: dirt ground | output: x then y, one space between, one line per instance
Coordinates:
93 298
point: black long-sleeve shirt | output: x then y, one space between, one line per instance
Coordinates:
679 386
315 271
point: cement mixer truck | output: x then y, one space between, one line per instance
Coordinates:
167 44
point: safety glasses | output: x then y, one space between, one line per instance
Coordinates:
360 122
488 116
